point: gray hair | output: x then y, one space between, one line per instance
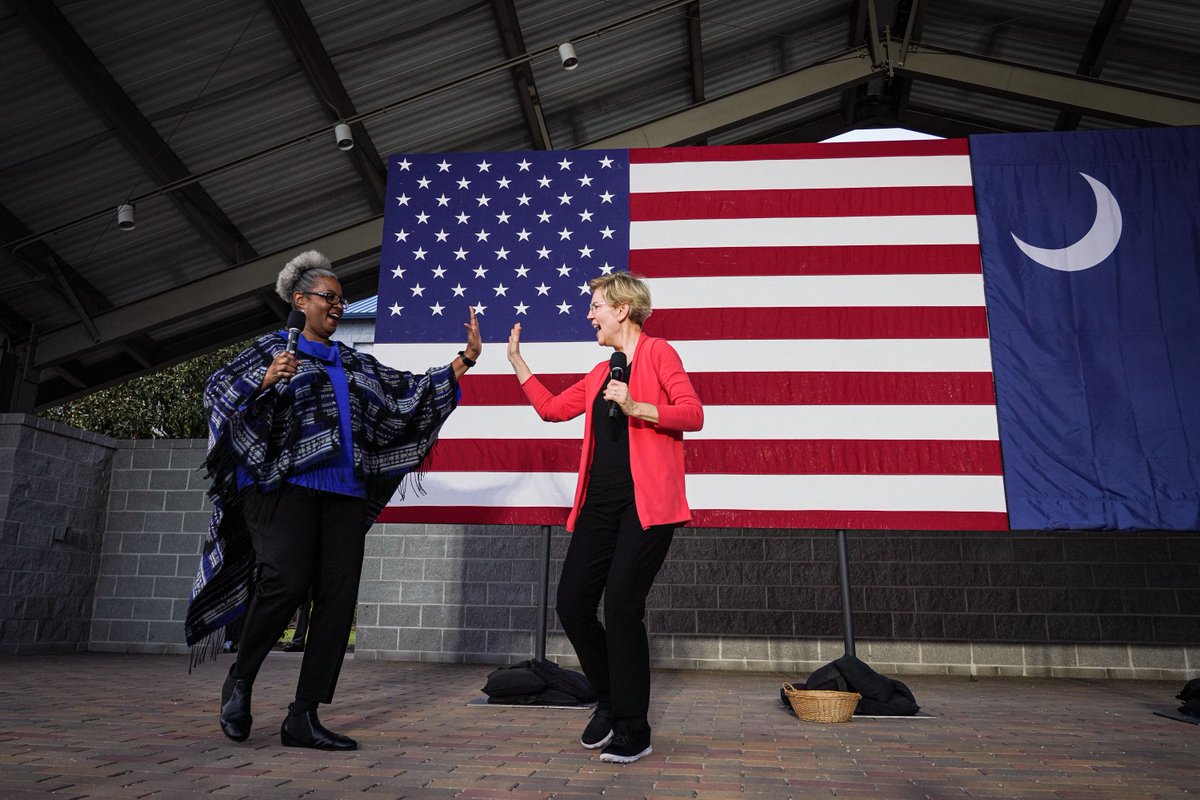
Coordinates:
301 274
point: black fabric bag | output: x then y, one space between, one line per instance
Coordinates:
881 696
573 684
514 681
538 683
1190 695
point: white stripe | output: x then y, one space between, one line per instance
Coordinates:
801 173
818 291
493 489
848 492
508 422
750 355
805 232
751 492
757 423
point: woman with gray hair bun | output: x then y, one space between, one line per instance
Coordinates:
304 450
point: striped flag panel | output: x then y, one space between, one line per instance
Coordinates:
827 301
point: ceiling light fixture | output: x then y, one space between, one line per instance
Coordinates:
125 220
566 52
343 136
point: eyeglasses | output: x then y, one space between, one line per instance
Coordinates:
329 297
595 306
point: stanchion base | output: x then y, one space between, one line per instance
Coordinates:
483 701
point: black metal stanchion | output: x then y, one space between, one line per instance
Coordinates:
847 610
543 596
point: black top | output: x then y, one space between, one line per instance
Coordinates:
609 478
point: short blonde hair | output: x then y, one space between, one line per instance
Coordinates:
625 288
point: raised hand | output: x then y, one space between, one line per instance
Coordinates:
514 341
514 354
474 343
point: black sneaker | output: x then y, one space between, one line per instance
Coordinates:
599 731
626 748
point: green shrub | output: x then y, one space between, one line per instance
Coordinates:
161 405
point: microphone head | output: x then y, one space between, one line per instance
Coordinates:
296 320
617 364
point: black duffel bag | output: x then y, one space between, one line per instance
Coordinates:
538 682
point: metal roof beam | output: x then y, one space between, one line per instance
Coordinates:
61 280
809 129
208 293
513 41
1104 36
70 376
302 36
140 351
713 116
12 325
1086 95
64 282
858 38
953 124
108 100
911 15
695 51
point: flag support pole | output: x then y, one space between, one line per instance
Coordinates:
543 596
844 575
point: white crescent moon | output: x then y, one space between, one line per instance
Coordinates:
1095 246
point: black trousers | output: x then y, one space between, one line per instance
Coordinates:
611 554
308 539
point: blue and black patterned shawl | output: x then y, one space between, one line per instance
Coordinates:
395 418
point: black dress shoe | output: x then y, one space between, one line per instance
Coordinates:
293 647
305 730
235 709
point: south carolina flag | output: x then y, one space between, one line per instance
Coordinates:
1091 252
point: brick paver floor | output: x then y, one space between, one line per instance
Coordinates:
133 726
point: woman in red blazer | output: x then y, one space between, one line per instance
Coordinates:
628 501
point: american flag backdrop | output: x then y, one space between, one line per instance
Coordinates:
827 301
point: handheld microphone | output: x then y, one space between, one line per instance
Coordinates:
616 372
295 324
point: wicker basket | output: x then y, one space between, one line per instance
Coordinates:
815 705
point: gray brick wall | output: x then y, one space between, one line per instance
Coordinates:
53 485
157 519
1086 604
449 593
1081 604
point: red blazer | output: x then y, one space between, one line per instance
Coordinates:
655 450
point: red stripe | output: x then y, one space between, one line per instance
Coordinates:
703 262
758 152
780 388
739 457
505 455
720 518
903 322
505 390
775 203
